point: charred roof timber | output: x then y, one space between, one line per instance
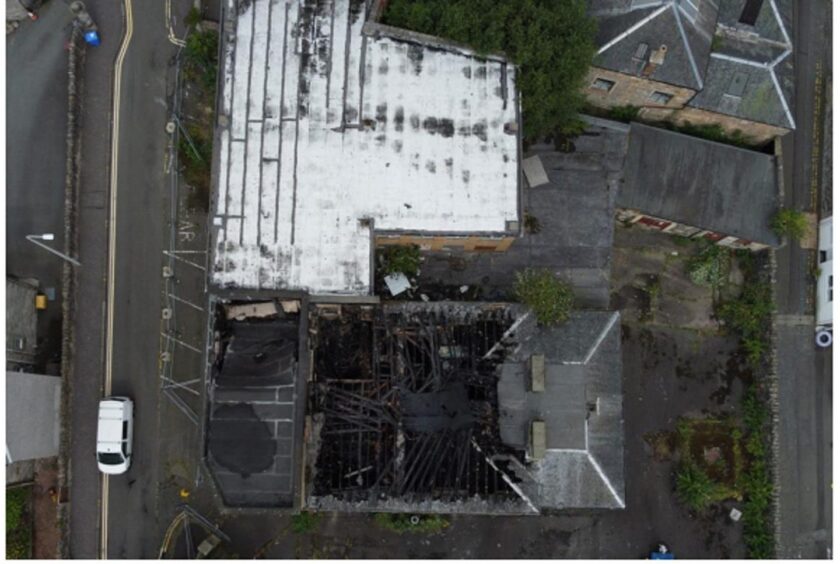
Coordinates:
419 407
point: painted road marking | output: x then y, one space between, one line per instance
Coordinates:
172 38
112 238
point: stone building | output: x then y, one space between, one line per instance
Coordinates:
727 62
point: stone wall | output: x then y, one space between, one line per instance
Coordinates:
635 91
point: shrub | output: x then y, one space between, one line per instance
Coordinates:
696 490
193 17
756 484
789 223
401 258
532 224
305 522
626 113
710 267
552 43
201 56
749 317
551 299
401 523
18 524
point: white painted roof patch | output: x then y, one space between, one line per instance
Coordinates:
328 127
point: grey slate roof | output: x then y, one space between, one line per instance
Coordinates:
584 462
624 25
714 45
708 185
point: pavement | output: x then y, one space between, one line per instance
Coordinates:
805 374
36 96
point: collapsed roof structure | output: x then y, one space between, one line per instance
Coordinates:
333 129
460 407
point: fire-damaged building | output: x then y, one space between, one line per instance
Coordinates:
336 135
463 407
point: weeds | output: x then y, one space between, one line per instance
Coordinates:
749 317
195 152
550 298
696 489
201 57
625 114
305 522
756 483
18 523
532 224
789 223
710 267
401 523
400 258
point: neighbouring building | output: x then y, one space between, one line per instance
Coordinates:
33 405
726 62
337 134
688 186
21 324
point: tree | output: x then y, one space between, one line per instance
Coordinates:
551 299
551 41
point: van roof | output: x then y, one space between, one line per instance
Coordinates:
109 430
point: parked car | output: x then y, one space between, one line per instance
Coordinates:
114 434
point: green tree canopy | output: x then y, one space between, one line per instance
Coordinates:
550 40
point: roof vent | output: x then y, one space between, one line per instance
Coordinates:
537 441
658 57
537 369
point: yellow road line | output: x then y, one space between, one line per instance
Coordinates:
172 38
112 237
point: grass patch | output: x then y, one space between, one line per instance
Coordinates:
548 297
305 522
18 523
402 523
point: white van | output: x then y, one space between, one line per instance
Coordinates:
113 435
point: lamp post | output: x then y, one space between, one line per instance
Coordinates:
49 237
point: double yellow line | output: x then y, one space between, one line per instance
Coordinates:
112 249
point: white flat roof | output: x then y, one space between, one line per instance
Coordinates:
327 126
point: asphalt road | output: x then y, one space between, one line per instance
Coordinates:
141 193
92 224
36 113
131 504
805 374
